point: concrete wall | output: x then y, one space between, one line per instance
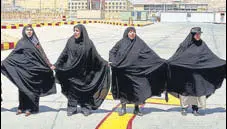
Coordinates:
192 17
173 17
201 17
89 14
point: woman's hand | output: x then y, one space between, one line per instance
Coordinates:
109 63
53 67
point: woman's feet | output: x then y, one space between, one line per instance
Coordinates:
184 112
19 112
196 112
123 110
72 107
27 113
86 111
137 111
71 111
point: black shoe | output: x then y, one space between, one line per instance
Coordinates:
123 110
197 113
86 112
137 111
71 112
184 112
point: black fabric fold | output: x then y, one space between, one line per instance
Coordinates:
27 68
82 72
137 71
194 70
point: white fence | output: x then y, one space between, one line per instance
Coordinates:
194 17
220 17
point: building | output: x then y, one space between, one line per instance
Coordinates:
74 5
6 4
180 5
213 5
96 4
107 5
118 5
169 5
86 8
109 8
58 5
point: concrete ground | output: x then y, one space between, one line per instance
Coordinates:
163 38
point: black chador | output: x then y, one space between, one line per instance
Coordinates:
195 72
29 69
137 71
82 73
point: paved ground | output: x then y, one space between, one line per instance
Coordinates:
163 38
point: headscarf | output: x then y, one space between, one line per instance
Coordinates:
34 39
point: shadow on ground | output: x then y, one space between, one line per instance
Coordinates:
208 110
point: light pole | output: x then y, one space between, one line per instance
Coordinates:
102 8
55 5
40 5
134 9
70 9
90 5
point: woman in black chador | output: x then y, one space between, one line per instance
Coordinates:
137 71
29 69
195 72
82 73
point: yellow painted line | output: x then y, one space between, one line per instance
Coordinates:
172 100
114 121
109 97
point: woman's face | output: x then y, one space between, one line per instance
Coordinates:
29 32
197 36
132 34
77 33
